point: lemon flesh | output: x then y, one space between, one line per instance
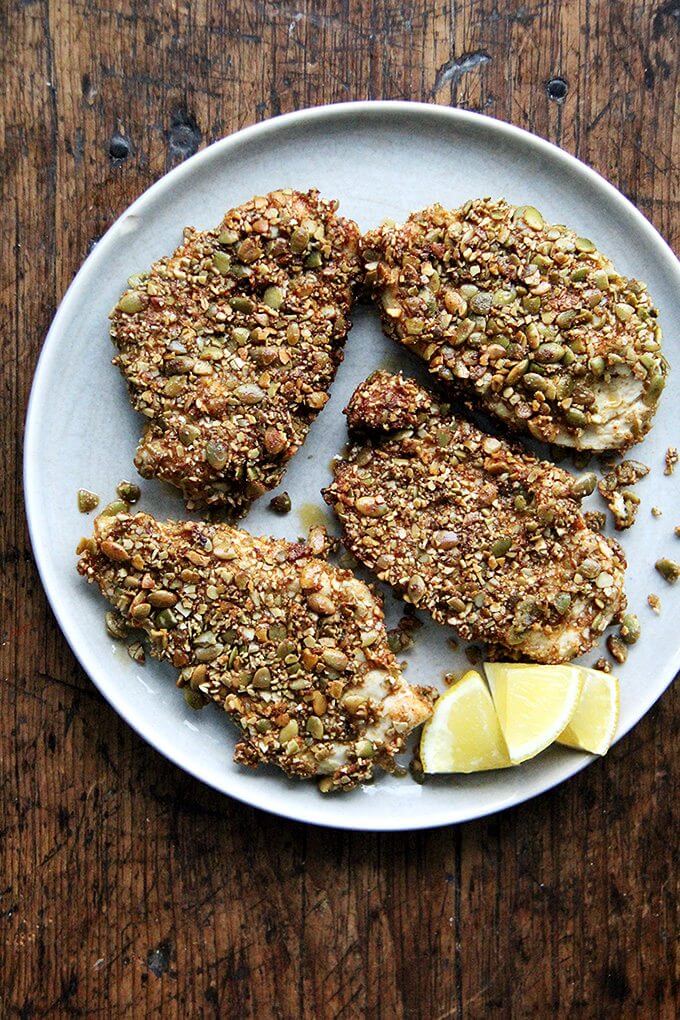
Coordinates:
534 704
463 734
593 725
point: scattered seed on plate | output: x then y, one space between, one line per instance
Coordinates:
617 648
281 504
603 664
630 628
128 491
669 569
87 501
621 500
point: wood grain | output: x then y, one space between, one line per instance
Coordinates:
128 889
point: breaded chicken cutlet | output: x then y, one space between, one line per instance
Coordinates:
229 346
524 318
294 649
485 537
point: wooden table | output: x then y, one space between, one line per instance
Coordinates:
129 889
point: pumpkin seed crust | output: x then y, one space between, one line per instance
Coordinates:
523 317
485 537
229 346
292 648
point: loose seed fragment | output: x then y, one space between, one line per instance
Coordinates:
128 491
671 459
87 501
630 628
115 626
617 648
115 508
281 504
669 569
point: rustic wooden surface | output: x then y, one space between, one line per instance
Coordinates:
127 888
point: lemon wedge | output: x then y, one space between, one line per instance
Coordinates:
463 734
593 725
534 704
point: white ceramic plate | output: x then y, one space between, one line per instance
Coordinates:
380 160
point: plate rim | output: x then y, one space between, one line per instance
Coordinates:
76 641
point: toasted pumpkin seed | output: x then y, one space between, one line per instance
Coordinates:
128 491
222 262
130 303
87 501
669 569
630 628
273 297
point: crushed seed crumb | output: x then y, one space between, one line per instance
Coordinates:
656 511
136 652
595 519
671 459
617 648
603 664
654 602
615 489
